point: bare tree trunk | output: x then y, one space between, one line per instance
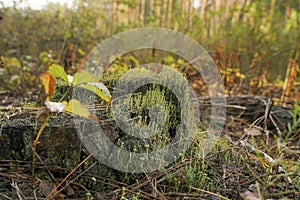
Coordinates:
115 14
271 14
167 13
157 8
170 13
161 18
227 15
184 13
247 5
136 12
182 8
129 14
227 9
236 14
174 13
146 12
141 11
202 10
216 27
191 13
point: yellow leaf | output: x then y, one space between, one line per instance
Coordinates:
83 77
58 72
75 107
99 89
48 83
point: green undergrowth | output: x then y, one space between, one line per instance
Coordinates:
228 169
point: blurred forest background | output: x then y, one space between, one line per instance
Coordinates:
254 43
256 47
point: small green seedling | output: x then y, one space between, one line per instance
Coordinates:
82 79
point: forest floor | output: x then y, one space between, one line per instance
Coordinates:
257 157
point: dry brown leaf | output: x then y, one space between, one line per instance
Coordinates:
250 195
50 188
48 83
253 131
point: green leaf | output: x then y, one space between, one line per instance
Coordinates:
58 72
75 107
99 89
83 77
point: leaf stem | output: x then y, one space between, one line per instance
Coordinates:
39 135
64 95
36 142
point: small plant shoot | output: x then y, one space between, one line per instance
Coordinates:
82 79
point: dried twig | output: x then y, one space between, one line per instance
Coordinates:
266 156
210 193
291 74
21 196
53 193
5 196
155 187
